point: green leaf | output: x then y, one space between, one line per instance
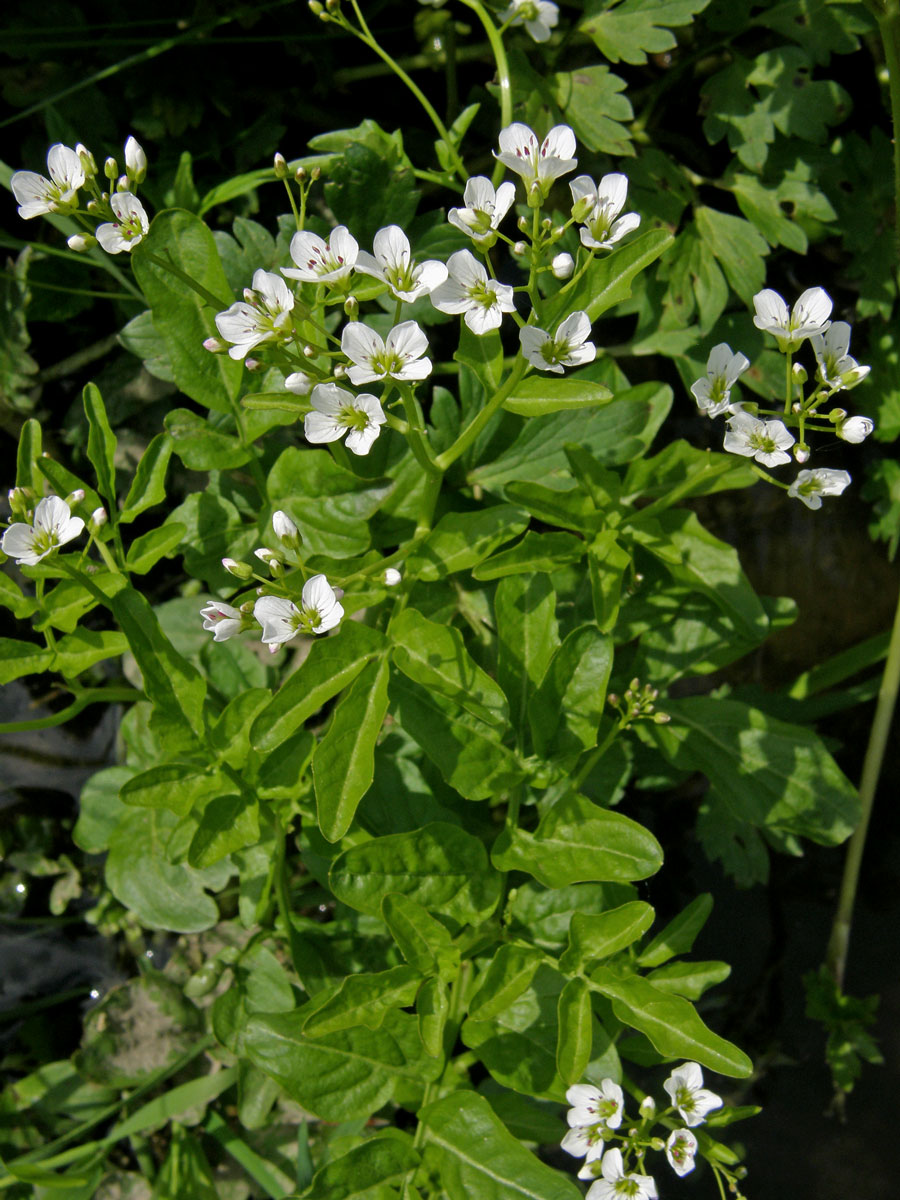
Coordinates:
460 541
576 841
28 454
545 552
432 1010
572 508
202 448
367 1171
332 663
739 248
100 809
174 786
148 487
466 751
679 935
631 30
527 635
422 940
146 551
764 771
140 338
506 977
607 281
228 823
592 104
601 935
101 445
440 866
13 598
479 1157
230 736
537 396
181 316
343 763
576 1030
343 1075
22 658
84 647
689 979
484 354
566 709
436 657
607 564
364 999
669 1022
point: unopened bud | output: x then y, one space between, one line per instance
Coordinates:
88 163
253 364
81 242
215 345
558 232
301 175
238 569
796 407
798 373
98 519
110 168
18 501
635 684
299 383
582 208
562 266
340 370
280 166
855 429
613 700
351 307
661 718
75 497
535 197
837 415
657 1143
316 8
522 224
123 184
546 224
331 5
248 605
135 161
264 554
315 173
391 576
520 249
648 1108
309 352
801 452
93 207
285 530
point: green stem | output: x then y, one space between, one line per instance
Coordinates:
889 28
100 695
474 428
293 203
836 956
788 382
503 76
215 302
283 896
49 636
595 755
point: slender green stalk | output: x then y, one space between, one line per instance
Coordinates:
472 430
503 76
889 27
213 301
100 695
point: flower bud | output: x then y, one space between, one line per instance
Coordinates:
661 718
280 167
522 224
299 383
238 569
520 249
801 452
562 266
331 5
315 7
215 345
88 162
351 307
837 415
93 208
135 161
285 530
657 1143
546 224
315 173
253 364
855 430
301 175
110 168
309 352
391 577
535 197
75 497
613 700
122 184
635 684
19 502
582 208
798 373
98 519
81 242
340 370
648 1108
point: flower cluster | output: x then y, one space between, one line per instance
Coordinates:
597 1116
763 435
73 170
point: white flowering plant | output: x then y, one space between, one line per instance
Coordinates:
405 606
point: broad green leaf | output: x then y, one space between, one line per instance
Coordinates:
681 470
577 841
146 551
228 823
280 772
506 977
332 663
480 1158
614 433
28 454
343 1075
576 1030
366 1171
764 771
62 481
432 1010
175 786
689 979
468 753
527 635
100 809
101 445
364 999
572 508
230 736
161 894
460 541
566 709
678 936
182 316
739 248
608 562
343 763
670 1022
537 396
600 935
440 866
436 657
631 30
215 528
156 1113
13 598
484 354
592 103
608 280
140 337
19 658
202 448
421 939
545 552
543 915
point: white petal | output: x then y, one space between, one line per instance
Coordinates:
771 310
329 398
360 343
391 246
18 543
65 166
612 192
51 514
318 428
318 594
813 307
407 339
575 329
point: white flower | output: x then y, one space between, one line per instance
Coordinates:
562 265
391 577
685 1085
766 441
855 429
538 16
468 290
810 487
407 279
584 1141
713 392
282 620
598 206
398 357
837 369
484 210
337 411
129 227
319 261
537 162
264 315
616 1182
681 1146
135 161
809 316
37 195
591 1104
225 620
569 348
53 526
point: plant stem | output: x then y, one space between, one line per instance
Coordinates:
503 76
104 695
836 955
889 28
472 430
